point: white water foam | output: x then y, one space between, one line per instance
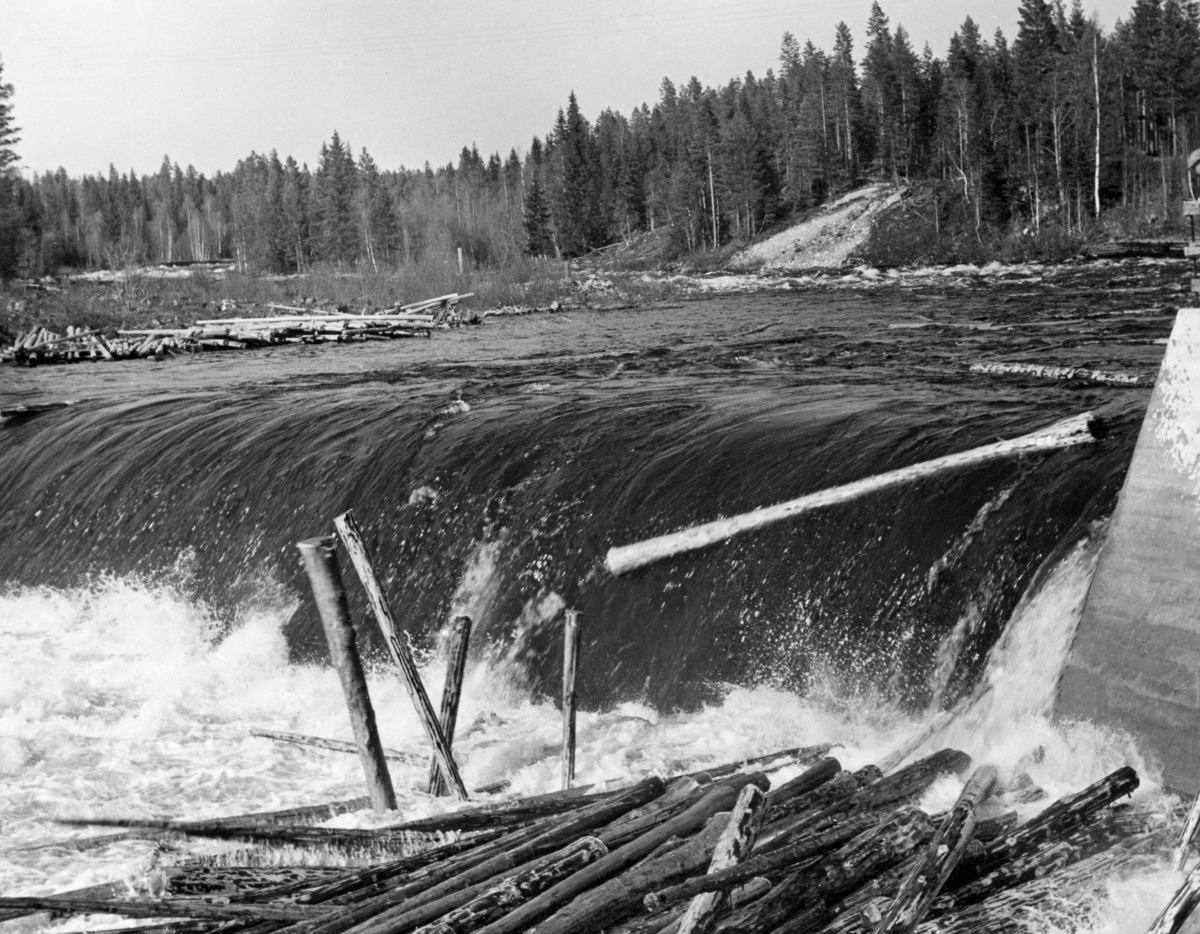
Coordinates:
124 699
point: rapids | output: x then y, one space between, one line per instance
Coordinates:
153 611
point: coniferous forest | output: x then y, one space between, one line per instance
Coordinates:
1056 128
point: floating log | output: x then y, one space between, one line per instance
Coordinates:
718 799
735 844
352 538
320 562
453 886
162 908
1081 429
502 898
1059 818
570 659
619 897
766 864
945 850
800 902
456 666
333 745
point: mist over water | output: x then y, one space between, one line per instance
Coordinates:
153 611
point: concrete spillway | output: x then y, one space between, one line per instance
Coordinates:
1135 662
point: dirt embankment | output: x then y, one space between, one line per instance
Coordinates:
827 239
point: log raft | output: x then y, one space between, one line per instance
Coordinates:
851 854
290 325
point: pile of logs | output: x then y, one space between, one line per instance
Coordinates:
830 850
291 325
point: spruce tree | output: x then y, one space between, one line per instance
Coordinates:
10 215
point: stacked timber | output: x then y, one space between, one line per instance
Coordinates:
830 850
289 325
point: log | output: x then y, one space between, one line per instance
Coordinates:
798 852
719 798
161 908
802 899
1061 817
103 890
680 793
926 879
333 745
570 660
502 898
808 780
912 780
1081 429
320 562
456 666
449 885
735 844
1179 855
503 813
625 831
616 899
352 538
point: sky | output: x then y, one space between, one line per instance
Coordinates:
128 81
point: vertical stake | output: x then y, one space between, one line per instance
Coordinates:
320 561
456 665
460 263
570 661
401 655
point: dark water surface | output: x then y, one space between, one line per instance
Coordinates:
588 429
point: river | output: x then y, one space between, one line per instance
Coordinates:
153 609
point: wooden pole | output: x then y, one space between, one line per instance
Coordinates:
352 538
460 262
1179 857
1082 429
320 561
1180 907
456 666
570 662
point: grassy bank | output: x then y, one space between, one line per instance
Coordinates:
144 298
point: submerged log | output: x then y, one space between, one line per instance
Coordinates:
333 745
456 666
945 850
352 538
735 844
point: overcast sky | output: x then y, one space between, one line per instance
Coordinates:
126 82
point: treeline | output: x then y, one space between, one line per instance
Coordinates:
1056 127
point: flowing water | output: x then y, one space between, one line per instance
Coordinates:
153 610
